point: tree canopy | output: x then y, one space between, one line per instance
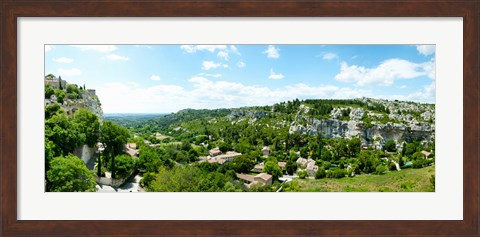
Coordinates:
69 174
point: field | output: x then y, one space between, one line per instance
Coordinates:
407 180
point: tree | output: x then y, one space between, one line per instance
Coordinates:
336 173
224 147
354 146
410 148
273 169
64 133
242 164
60 96
69 174
320 173
304 152
73 92
49 91
291 167
390 145
50 110
124 165
60 83
88 124
302 174
114 137
149 160
50 76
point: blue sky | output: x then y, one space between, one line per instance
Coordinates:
168 78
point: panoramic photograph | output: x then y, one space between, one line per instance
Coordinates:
239 118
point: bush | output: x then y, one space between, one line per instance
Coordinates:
302 174
336 173
60 96
320 174
69 174
49 91
390 145
124 165
381 169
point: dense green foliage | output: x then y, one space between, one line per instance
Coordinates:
69 174
64 133
124 165
114 137
179 139
191 179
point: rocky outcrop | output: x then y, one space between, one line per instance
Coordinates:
88 101
334 128
241 113
91 102
374 122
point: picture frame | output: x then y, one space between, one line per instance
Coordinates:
11 10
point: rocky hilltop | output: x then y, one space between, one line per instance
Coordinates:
72 98
88 98
398 120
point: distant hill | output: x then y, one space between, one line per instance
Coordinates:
372 120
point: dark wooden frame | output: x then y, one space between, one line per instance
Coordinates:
10 10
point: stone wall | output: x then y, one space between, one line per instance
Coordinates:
54 83
85 153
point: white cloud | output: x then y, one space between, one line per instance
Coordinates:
329 56
63 60
195 48
207 65
234 50
155 78
426 49
217 75
69 72
98 48
48 48
115 57
224 55
241 64
386 73
425 95
207 94
402 87
272 52
275 76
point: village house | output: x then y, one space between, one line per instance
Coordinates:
131 149
282 165
215 151
258 168
302 161
266 151
221 159
262 179
312 169
426 154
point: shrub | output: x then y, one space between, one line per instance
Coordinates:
336 173
320 173
124 165
302 174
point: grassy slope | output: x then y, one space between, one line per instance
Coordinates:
407 180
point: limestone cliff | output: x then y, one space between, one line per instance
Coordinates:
398 120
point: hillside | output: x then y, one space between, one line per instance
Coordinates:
408 180
372 120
